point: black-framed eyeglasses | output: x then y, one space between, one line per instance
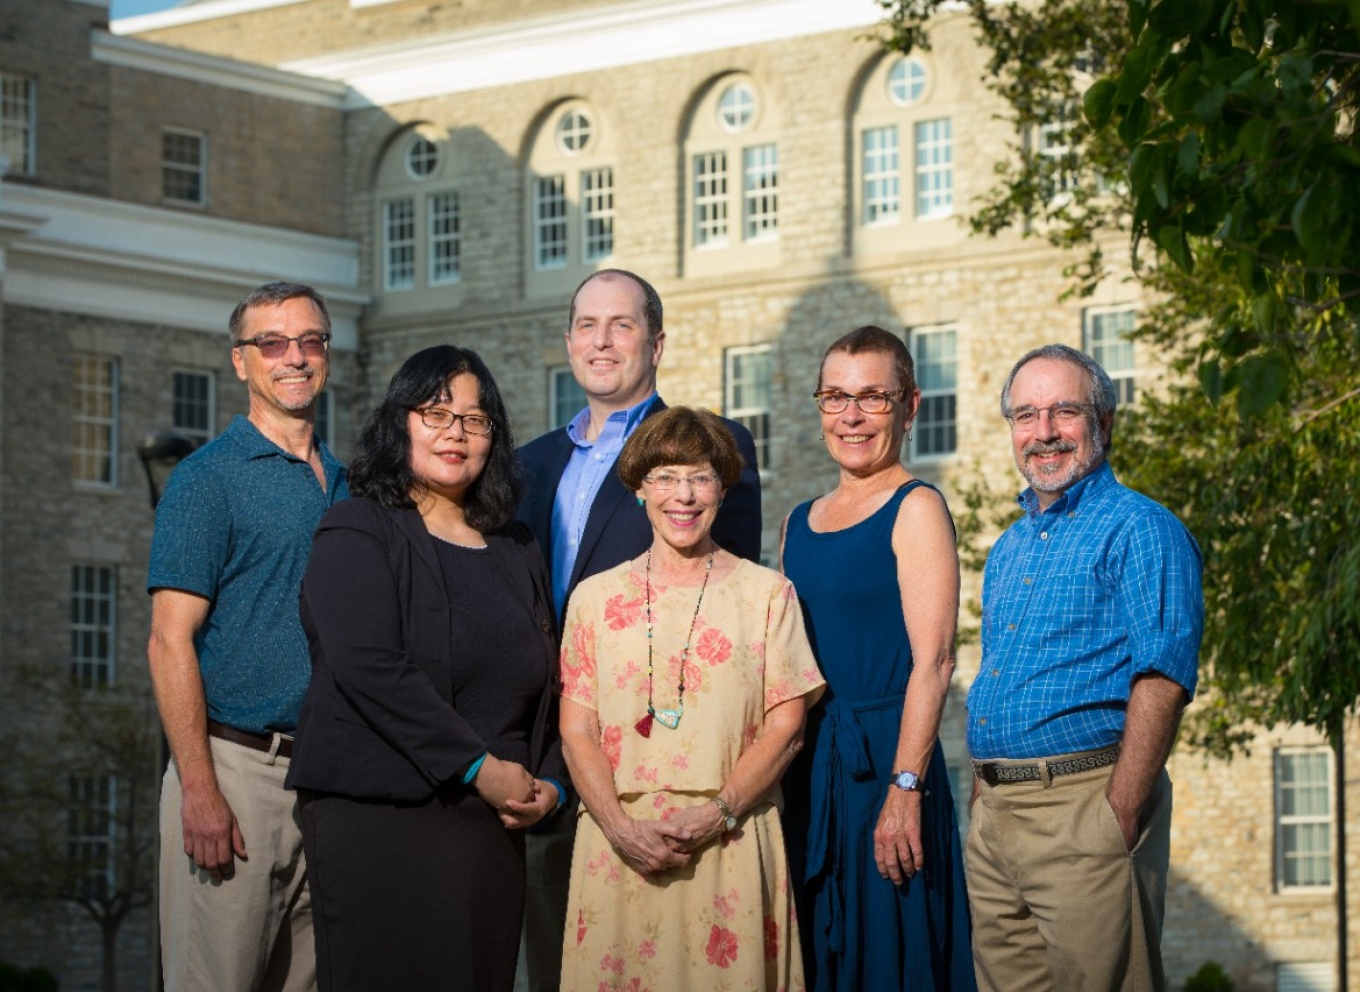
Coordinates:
1062 414
439 419
312 344
873 401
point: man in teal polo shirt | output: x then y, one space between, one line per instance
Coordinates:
230 664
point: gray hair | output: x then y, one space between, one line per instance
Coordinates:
1102 387
272 294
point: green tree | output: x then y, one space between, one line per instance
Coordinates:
1218 137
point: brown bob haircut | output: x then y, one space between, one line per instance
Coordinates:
680 435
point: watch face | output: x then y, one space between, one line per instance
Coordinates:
906 780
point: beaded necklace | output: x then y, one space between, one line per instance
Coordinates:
669 719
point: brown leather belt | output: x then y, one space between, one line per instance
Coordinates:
1002 773
256 742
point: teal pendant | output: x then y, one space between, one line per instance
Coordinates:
670 719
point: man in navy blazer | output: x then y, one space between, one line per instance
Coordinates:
587 521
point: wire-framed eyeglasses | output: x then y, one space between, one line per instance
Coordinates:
312 344
439 419
871 401
1062 414
700 482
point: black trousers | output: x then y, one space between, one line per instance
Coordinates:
413 897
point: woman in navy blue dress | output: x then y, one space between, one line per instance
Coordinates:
873 841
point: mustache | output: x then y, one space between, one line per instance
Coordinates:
291 370
1060 446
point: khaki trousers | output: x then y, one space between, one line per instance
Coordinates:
1059 904
252 931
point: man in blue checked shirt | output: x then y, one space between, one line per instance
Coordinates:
1092 614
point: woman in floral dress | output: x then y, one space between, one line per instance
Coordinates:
686 677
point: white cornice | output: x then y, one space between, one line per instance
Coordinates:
105 258
205 10
214 70
581 41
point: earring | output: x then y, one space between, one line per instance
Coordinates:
720 503
641 501
909 433
821 436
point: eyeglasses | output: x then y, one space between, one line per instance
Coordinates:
835 401
1062 414
702 482
437 418
312 344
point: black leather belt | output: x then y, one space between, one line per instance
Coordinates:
999 773
256 742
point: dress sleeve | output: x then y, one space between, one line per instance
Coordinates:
578 668
790 666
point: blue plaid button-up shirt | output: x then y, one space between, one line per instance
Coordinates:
1077 600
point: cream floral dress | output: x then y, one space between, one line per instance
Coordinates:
725 921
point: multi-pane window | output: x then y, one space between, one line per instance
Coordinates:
760 200
906 81
445 238
18 117
1109 342
748 394
710 199
550 222
566 398
1305 976
91 821
95 407
737 107
93 592
935 353
574 131
1303 818
192 414
1057 158
422 158
399 244
882 179
934 168
325 417
597 213
183 161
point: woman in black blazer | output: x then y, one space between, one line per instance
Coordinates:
425 743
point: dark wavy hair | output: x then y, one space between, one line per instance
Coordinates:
381 468
680 435
873 339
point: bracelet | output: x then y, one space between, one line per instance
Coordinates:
729 818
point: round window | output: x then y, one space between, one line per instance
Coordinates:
421 157
574 132
737 107
906 81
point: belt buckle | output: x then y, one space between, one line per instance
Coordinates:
987 771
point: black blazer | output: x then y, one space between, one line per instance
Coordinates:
379 720
617 529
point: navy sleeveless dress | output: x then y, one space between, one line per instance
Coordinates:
860 932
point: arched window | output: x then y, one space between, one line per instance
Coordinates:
419 223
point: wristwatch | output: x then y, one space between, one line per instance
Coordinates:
729 819
907 781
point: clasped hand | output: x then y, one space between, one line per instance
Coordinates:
519 799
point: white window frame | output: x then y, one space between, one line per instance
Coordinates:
94 624
566 398
1287 823
760 192
710 199
747 386
934 147
185 404
444 236
92 834
94 448
881 175
737 106
1053 146
1114 351
550 222
1305 976
935 433
597 213
574 131
182 172
399 243
18 124
907 81
421 158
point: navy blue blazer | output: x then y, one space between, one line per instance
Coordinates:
380 720
617 529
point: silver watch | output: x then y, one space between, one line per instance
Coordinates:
729 819
907 781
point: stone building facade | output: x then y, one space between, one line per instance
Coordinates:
448 172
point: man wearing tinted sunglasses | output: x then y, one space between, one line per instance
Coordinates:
230 663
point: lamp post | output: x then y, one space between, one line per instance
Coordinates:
160 452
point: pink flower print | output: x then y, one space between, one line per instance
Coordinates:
644 774
727 905
600 860
659 801
771 938
811 675
713 647
622 678
611 963
633 984
757 648
647 949
680 762
750 734
578 664
722 946
619 613
580 926
779 692
611 743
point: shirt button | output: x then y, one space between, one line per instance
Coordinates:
1043 535
1010 626
1028 581
982 721
996 672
